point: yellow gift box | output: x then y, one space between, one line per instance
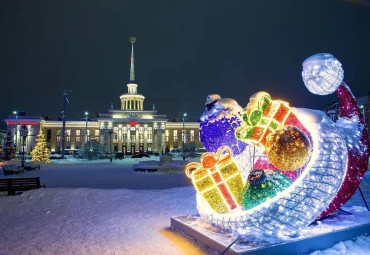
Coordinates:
218 180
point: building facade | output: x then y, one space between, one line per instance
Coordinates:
129 130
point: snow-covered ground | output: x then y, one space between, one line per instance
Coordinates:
102 174
98 207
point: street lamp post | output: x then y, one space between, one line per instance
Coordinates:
24 133
16 131
363 112
183 136
86 118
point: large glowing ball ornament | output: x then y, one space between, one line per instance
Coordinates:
263 185
288 148
322 74
218 123
218 180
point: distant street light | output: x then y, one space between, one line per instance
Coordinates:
183 135
86 118
16 131
23 131
363 111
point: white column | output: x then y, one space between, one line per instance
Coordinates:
119 138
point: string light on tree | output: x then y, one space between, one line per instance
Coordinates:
40 153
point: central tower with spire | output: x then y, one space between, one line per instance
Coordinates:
132 101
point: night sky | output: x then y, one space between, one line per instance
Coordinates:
184 51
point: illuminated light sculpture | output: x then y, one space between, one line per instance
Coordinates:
337 161
218 123
263 185
221 117
324 69
293 209
218 180
288 148
262 116
322 74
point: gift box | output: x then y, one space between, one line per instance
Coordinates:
218 180
265 117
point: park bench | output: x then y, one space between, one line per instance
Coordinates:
12 185
12 169
30 166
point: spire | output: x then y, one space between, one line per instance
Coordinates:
132 68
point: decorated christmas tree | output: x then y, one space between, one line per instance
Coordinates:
40 152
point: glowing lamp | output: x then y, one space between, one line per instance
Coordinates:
322 73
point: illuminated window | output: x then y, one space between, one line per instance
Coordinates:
150 135
192 135
58 138
97 138
88 132
78 138
175 138
141 134
59 132
96 132
132 128
167 135
133 139
68 135
78 132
